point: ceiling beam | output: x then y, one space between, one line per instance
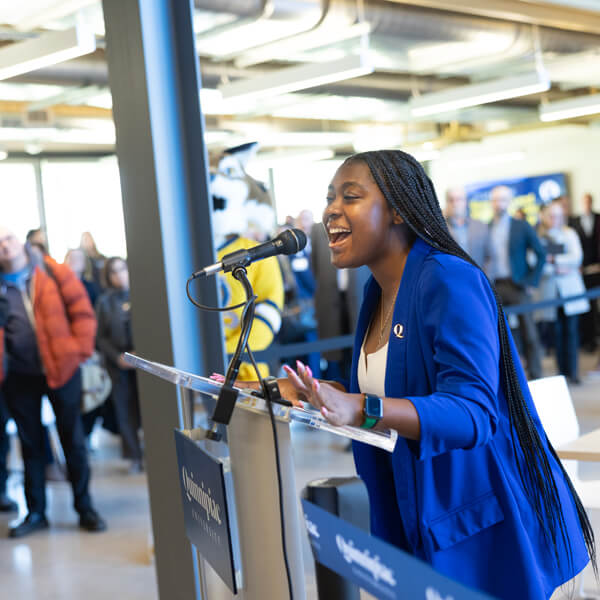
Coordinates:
535 12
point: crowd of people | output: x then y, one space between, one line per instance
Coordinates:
53 317
557 258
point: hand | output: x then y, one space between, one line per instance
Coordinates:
253 385
338 408
123 364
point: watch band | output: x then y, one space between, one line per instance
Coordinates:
369 422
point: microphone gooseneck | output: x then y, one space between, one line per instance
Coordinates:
289 241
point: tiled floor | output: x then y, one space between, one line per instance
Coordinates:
66 564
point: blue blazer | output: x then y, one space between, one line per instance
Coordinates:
521 238
454 498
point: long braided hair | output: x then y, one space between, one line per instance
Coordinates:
409 191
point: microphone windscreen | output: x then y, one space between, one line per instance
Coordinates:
293 241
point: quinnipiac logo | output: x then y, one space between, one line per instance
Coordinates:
202 496
363 558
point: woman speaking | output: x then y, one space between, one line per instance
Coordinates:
473 485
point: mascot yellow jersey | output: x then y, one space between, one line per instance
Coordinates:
267 282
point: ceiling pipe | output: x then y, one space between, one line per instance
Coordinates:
556 14
337 17
274 19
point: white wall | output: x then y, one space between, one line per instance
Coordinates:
570 149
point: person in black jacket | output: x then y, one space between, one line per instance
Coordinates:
587 226
6 503
114 338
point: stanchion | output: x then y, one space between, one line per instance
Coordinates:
345 497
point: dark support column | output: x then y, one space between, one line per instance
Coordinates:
154 79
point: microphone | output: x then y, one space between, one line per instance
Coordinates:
289 241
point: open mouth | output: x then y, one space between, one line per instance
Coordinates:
338 234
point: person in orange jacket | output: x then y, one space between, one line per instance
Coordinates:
47 329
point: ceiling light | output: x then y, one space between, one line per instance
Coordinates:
480 93
571 108
27 92
302 42
47 49
293 79
332 108
74 96
27 16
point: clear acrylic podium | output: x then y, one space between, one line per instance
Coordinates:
250 455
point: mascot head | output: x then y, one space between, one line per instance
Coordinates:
242 205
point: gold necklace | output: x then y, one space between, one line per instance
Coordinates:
383 323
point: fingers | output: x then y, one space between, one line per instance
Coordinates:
218 377
305 374
295 380
314 387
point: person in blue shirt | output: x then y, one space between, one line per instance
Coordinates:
473 485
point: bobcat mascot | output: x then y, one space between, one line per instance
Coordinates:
243 216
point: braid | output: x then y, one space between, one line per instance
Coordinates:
408 190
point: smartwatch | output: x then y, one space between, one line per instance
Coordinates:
372 411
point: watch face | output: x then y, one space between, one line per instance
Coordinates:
373 406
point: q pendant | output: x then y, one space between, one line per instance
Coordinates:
399 330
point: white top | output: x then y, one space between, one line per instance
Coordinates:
587 224
371 371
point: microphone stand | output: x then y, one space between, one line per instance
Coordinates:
228 393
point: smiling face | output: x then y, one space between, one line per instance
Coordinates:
360 224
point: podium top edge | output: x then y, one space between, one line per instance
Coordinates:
385 439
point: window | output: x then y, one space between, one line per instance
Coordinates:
302 186
83 196
19 210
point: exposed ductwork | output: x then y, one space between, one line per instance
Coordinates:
404 39
415 50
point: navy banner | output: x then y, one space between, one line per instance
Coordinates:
529 193
377 567
204 497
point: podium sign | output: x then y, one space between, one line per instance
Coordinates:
204 496
374 565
